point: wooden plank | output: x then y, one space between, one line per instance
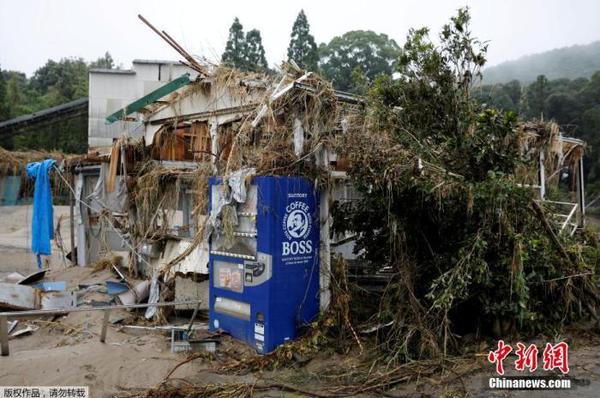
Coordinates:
113 167
104 326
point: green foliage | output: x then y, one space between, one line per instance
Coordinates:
303 48
255 53
105 62
52 84
441 206
235 49
537 94
60 82
568 62
359 51
574 104
4 107
244 52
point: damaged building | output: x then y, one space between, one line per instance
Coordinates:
159 131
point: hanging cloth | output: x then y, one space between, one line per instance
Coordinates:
42 230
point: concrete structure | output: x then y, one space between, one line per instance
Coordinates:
111 90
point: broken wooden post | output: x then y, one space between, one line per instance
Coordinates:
104 326
4 335
72 221
580 193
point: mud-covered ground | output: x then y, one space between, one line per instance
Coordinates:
67 351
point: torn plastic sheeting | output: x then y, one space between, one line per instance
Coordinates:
136 295
154 296
236 182
116 200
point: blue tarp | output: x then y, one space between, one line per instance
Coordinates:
42 221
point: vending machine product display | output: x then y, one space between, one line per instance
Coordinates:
264 260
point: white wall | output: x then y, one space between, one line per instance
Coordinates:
111 90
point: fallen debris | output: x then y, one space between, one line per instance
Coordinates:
14 277
53 300
51 286
12 325
138 294
22 332
18 297
33 277
116 288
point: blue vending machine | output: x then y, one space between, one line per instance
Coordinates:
264 281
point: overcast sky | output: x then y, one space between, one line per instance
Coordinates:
33 31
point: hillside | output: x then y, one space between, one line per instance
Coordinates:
567 62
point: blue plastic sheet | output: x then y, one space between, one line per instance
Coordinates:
43 216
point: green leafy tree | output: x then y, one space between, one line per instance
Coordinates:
60 82
303 48
235 49
537 93
563 108
105 62
255 52
18 94
371 53
590 127
514 91
590 94
4 109
441 206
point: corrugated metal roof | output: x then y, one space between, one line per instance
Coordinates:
79 105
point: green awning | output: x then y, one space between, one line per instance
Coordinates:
149 98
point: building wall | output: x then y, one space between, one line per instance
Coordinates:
111 90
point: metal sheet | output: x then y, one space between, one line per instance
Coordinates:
18 297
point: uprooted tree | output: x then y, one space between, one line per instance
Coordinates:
441 205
